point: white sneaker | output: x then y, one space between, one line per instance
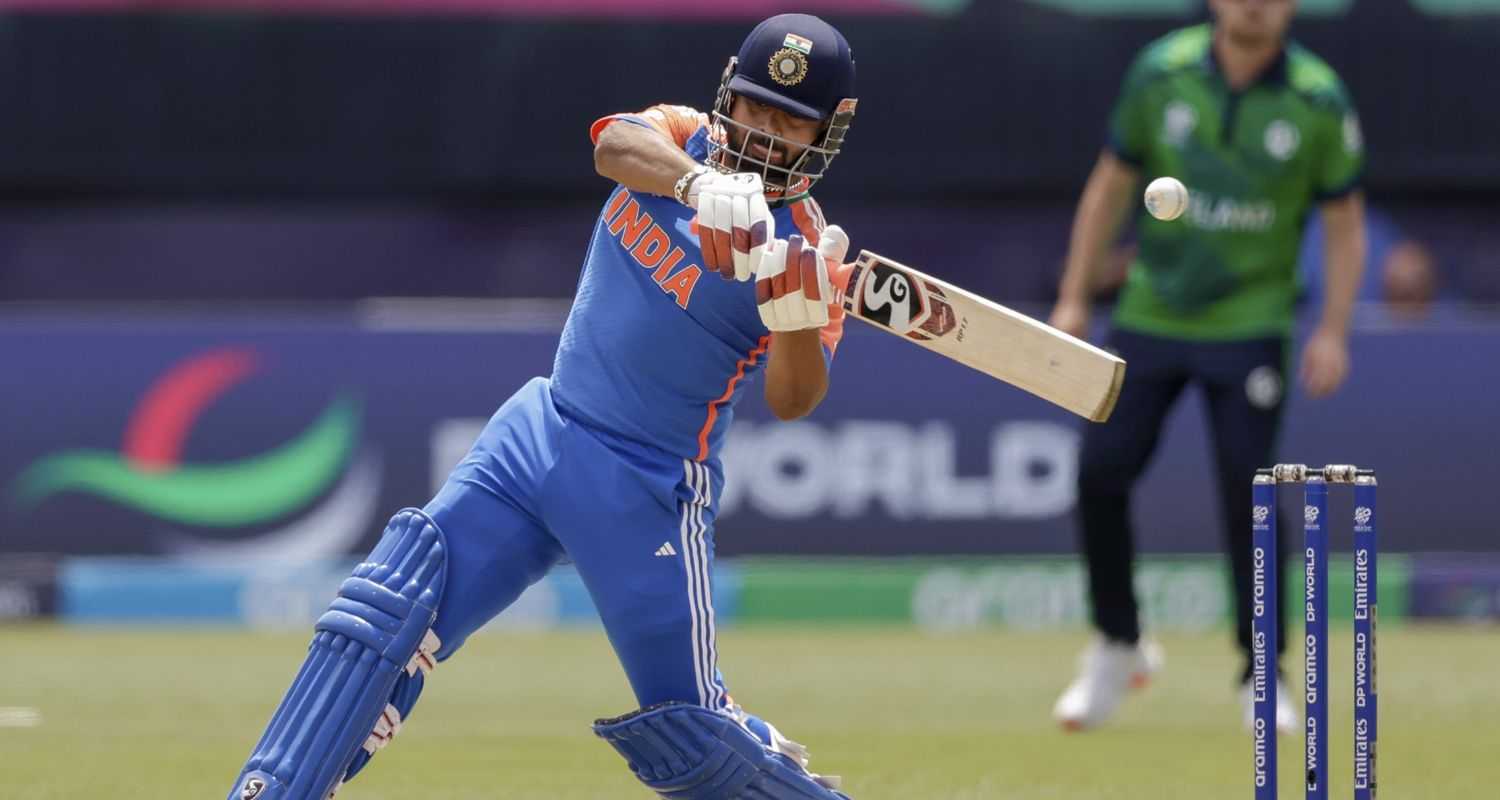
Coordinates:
1107 671
1288 719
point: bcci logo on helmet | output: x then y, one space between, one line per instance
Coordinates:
788 67
1260 514
1310 514
1362 515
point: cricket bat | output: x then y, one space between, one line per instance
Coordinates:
984 335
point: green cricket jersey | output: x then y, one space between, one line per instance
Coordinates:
1255 162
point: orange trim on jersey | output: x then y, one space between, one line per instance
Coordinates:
832 333
677 123
600 124
713 407
604 122
806 225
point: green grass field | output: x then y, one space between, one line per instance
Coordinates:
900 714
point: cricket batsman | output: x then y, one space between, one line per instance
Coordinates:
709 263
1261 131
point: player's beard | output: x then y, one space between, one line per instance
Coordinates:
741 139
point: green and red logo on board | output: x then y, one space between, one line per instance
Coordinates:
149 473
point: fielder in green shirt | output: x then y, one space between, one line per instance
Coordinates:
1261 132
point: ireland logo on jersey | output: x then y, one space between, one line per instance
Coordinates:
1282 139
1178 122
1354 141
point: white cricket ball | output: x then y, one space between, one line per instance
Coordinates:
1166 198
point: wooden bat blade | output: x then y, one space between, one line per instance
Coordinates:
984 335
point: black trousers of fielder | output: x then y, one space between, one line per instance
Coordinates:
1243 383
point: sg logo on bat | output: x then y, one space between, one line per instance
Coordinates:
888 296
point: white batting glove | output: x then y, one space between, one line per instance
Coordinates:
792 288
734 223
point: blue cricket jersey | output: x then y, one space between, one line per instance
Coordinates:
658 349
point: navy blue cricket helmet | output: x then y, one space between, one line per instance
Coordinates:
803 66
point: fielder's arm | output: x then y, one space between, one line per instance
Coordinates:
1107 197
1325 357
1344 249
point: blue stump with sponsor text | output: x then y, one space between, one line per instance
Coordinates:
1315 646
1364 637
1316 482
1263 634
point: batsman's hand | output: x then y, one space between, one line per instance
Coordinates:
734 223
792 289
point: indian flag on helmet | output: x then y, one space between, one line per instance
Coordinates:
801 45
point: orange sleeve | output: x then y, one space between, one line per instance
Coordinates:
677 123
810 223
833 332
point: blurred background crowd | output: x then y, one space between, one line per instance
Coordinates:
305 150
209 193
